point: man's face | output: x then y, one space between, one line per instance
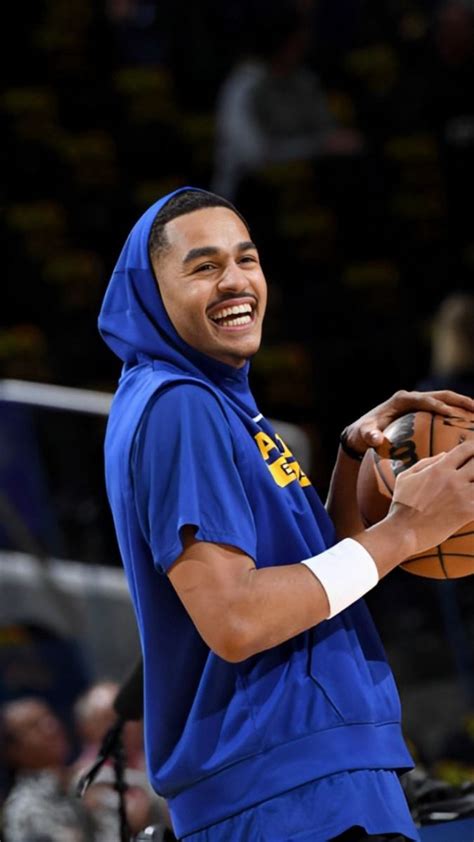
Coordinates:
212 284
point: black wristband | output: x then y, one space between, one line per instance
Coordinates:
348 450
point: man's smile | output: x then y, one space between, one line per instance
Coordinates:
234 315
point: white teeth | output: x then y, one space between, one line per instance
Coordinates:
242 320
232 311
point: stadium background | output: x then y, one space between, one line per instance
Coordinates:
109 105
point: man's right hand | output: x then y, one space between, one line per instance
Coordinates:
435 498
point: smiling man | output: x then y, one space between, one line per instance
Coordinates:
271 714
211 280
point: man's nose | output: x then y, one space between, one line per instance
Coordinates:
233 278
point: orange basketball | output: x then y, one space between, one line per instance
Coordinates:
412 437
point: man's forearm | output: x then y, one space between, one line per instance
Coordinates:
341 503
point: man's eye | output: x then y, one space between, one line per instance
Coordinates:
248 258
204 267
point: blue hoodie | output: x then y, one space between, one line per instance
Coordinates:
186 444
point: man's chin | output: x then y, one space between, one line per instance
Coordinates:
236 357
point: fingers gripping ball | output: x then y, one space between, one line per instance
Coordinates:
407 440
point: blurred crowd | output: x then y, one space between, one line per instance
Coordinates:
345 133
70 780
39 796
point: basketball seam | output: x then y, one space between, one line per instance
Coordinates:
383 478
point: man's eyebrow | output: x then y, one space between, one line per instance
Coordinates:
246 245
211 251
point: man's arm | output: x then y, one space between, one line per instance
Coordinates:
240 610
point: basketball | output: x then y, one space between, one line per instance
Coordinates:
410 438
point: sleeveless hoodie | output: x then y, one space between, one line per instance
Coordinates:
222 736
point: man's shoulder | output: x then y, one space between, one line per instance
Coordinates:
146 386
185 402
188 392
184 417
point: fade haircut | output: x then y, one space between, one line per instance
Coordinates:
181 204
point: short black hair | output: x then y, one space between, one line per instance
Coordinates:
185 202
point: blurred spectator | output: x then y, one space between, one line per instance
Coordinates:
452 360
95 715
39 655
38 806
271 108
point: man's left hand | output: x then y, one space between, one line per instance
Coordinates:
368 430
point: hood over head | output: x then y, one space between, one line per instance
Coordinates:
134 323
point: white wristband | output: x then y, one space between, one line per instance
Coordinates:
346 571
